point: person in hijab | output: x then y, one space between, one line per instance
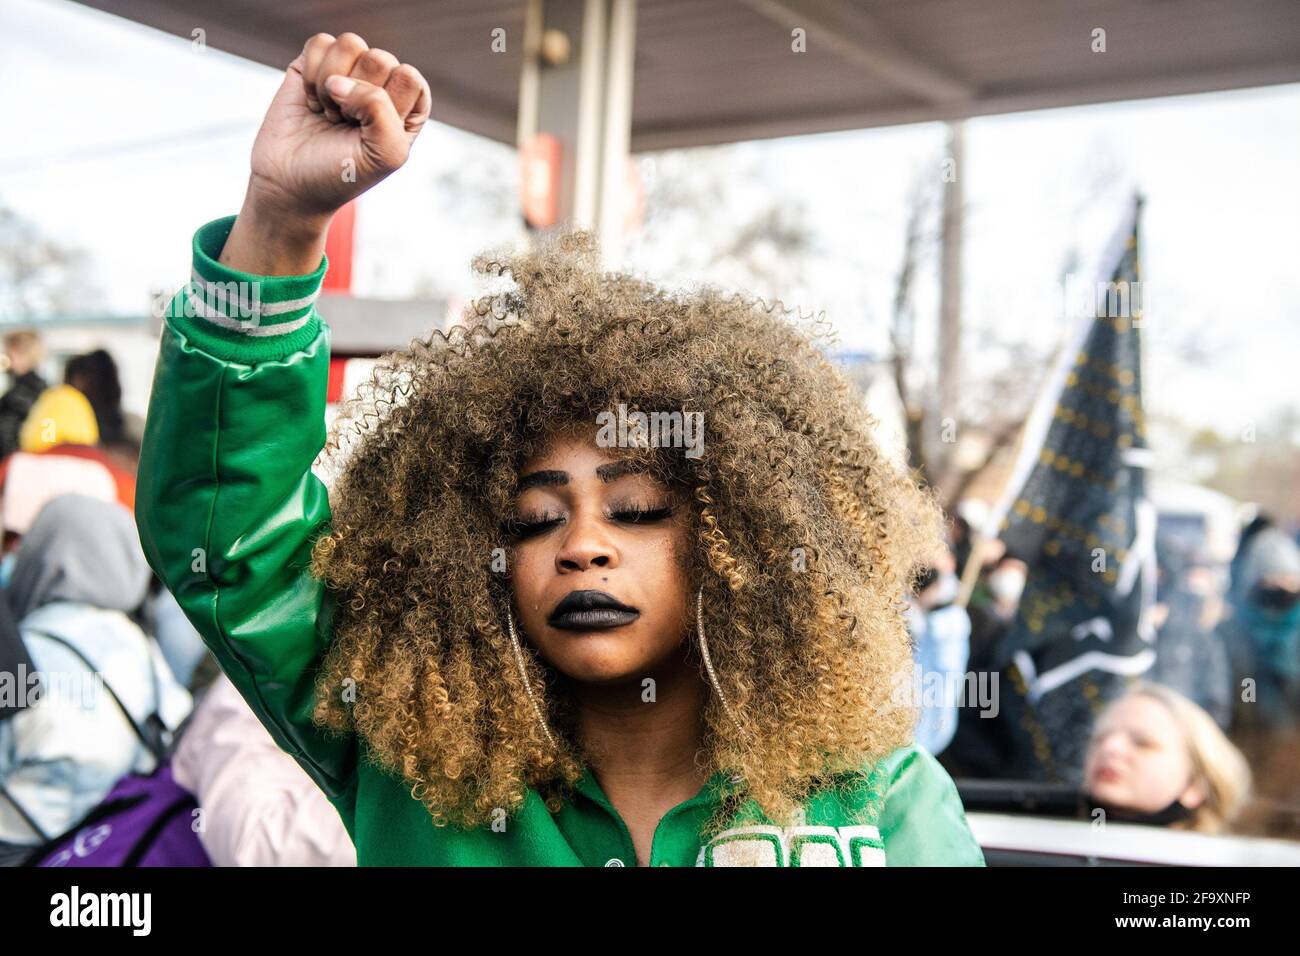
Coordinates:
107 702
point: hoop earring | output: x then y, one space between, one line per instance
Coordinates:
708 661
523 673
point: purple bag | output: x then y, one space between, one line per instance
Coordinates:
144 821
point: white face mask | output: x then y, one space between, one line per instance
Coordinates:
1006 585
944 590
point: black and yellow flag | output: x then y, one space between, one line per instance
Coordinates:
1079 516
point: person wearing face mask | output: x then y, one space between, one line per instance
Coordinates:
1190 653
1157 758
1263 635
941 644
1006 584
1261 522
981 741
994 603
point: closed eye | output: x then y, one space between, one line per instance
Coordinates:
529 527
635 514
523 527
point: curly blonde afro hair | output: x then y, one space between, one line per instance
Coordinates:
805 537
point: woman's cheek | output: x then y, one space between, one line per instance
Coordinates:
1152 774
674 576
673 554
526 578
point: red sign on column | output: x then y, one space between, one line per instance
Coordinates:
338 249
539 180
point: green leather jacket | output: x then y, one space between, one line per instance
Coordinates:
228 508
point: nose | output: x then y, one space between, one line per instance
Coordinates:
585 547
1112 744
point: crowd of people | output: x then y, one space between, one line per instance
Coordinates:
1206 739
107 679
104 679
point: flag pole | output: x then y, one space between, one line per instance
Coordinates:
1040 417
1031 443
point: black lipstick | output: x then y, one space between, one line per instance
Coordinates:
591 611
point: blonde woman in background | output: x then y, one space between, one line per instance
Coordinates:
1158 758
22 357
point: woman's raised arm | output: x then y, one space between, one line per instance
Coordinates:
227 504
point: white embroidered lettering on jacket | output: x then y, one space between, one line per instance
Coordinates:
794 846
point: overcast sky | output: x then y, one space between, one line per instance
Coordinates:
122 140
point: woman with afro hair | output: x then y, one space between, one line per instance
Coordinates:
609 576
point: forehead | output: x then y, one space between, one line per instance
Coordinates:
579 458
1140 711
571 447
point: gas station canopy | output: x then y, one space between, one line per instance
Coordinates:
715 71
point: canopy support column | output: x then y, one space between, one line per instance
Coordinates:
575 96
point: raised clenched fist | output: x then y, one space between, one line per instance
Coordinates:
343 119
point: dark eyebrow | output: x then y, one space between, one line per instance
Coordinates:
542 479
616 470
606 473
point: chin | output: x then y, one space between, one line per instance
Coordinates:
1107 792
599 670
596 658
